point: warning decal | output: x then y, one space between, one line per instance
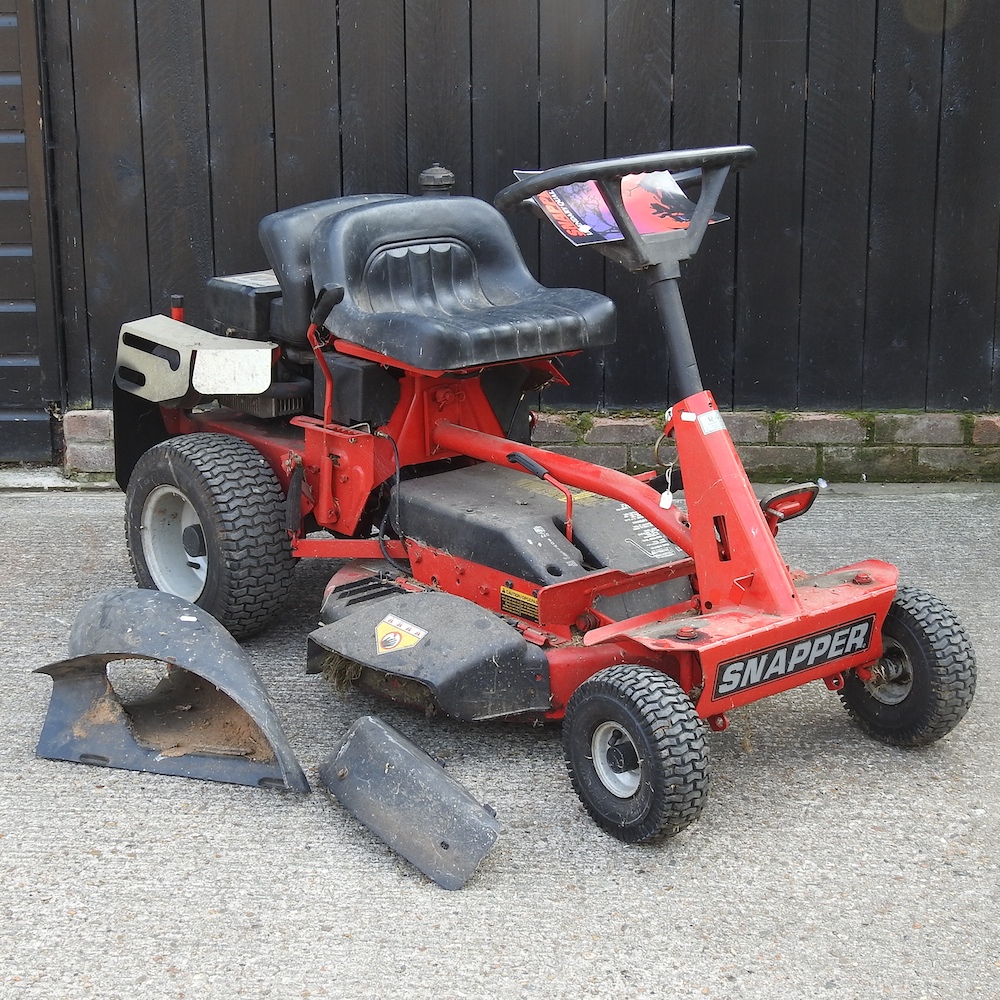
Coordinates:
394 633
517 602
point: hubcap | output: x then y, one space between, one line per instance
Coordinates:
173 543
193 539
616 760
892 676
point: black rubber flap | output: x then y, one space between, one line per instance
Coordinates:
475 665
408 800
209 717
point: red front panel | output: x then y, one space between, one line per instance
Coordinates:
745 655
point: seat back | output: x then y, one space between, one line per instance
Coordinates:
286 237
422 255
422 277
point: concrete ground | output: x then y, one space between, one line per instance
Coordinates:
824 864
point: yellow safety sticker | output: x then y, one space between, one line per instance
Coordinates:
517 602
394 633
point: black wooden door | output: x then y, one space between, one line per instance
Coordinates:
29 370
860 270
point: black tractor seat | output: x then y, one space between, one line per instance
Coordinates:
434 283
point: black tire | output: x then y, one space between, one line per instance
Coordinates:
636 753
204 520
924 682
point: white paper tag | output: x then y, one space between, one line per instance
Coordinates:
711 422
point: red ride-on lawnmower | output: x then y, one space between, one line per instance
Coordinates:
363 402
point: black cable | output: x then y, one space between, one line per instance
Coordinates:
405 570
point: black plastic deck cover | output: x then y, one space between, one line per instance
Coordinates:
513 522
474 664
211 689
408 800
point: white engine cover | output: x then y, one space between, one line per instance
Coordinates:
161 359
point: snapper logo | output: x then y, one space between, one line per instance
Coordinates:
811 651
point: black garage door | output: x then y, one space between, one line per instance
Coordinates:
29 369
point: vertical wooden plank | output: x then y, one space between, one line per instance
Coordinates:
638 121
175 152
571 121
769 227
46 340
963 311
67 244
373 96
706 113
438 106
306 100
901 212
995 382
241 128
835 220
111 176
505 105
25 321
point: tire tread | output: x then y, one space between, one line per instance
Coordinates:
248 503
678 736
952 680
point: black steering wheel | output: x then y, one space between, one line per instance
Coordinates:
710 165
674 160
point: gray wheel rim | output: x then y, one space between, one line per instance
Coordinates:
609 747
165 515
892 676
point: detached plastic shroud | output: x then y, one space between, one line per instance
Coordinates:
209 716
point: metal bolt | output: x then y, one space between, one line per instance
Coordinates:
862 579
687 632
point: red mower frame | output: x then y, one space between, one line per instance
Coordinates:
746 601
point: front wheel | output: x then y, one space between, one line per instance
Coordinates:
204 521
636 753
923 684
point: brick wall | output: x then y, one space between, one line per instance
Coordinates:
775 447
881 447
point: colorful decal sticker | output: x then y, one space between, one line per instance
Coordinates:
394 633
654 201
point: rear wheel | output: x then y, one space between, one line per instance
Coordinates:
205 521
924 682
636 753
